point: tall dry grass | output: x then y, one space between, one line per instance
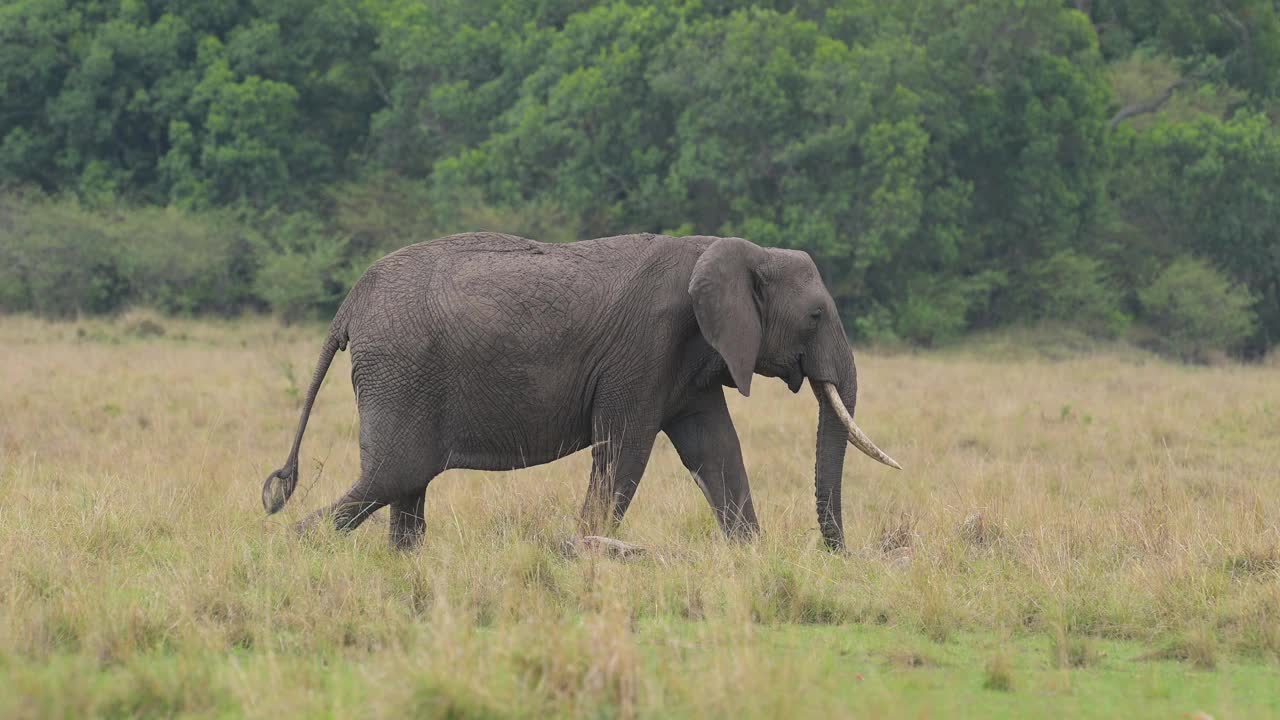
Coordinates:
1111 497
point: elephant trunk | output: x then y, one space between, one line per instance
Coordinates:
829 468
836 427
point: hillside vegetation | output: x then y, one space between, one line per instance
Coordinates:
1088 537
1105 164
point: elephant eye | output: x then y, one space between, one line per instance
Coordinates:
814 316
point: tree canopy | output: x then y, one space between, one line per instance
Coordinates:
949 164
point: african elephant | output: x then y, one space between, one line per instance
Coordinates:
492 352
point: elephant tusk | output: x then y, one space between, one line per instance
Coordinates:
857 438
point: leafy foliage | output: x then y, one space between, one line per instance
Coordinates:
302 268
57 261
949 165
1197 310
1073 289
1212 188
203 103
60 259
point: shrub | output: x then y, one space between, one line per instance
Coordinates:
303 270
465 209
937 309
542 221
382 212
1196 310
57 260
1072 289
179 262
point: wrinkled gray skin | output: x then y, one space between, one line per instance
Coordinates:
493 352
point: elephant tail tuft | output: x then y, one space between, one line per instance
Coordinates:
279 487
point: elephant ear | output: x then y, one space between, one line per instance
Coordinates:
724 291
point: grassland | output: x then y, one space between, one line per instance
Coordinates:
1082 536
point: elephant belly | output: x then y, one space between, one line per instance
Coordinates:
476 415
505 443
516 405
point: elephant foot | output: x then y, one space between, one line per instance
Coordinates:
307 525
596 543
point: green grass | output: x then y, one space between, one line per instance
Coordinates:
1089 537
775 671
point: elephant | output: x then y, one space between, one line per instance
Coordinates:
488 351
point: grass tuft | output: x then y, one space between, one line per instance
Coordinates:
1256 560
998 673
1073 651
1198 646
433 699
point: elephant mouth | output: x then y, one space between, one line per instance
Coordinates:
795 375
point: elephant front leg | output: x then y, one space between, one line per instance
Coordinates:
708 446
619 453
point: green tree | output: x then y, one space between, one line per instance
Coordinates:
949 165
1236 42
1196 310
198 102
584 132
1209 188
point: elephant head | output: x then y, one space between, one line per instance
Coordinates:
767 312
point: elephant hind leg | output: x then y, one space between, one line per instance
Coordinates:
397 460
408 524
352 509
398 478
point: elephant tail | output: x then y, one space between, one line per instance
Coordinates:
281 483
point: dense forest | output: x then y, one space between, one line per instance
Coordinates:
1106 165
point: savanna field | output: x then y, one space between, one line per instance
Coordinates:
1074 535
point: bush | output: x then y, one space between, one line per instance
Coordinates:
179 262
303 270
382 212
1073 289
1196 310
938 309
57 260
